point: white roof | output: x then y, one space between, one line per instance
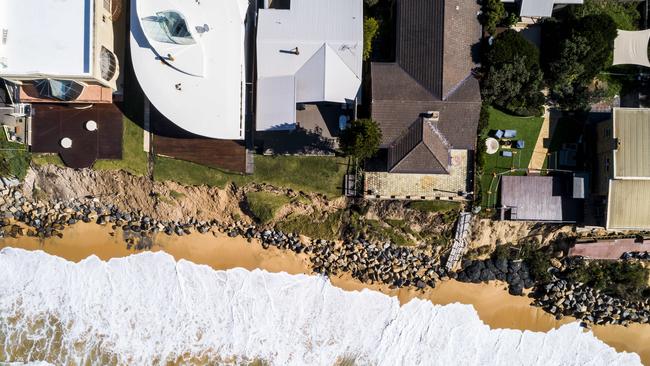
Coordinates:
51 37
201 88
542 8
328 36
631 48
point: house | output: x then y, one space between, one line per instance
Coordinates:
553 199
427 102
540 8
189 58
58 50
308 52
622 173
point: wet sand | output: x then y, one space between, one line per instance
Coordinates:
494 305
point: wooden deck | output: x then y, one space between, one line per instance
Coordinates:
52 122
170 140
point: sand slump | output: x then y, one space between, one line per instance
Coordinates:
148 308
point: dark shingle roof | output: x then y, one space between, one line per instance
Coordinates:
432 73
420 34
421 149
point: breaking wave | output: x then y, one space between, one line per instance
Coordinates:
150 309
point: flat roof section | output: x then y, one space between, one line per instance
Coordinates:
51 37
632 130
539 198
628 205
196 81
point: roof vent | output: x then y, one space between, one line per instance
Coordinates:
431 116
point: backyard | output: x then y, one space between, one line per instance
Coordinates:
308 174
527 130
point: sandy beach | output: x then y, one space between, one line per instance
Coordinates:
493 303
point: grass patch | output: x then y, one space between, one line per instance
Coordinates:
327 227
391 233
47 159
434 206
134 158
308 174
14 158
527 129
264 205
176 195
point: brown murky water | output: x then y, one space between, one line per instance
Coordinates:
492 302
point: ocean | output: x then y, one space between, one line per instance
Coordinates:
150 309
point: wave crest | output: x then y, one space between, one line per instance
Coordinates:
148 309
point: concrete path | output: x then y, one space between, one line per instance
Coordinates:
541 146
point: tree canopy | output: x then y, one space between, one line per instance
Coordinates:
493 14
514 79
509 44
514 87
361 139
575 52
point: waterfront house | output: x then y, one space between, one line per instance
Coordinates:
58 51
427 102
309 60
622 171
189 59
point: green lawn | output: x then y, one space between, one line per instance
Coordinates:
45 159
321 226
134 158
434 206
308 174
14 158
264 205
527 129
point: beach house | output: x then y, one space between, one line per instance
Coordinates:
189 59
58 50
309 56
427 103
622 171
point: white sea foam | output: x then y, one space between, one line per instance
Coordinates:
147 308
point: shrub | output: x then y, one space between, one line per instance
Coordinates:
370 28
264 205
620 279
361 140
493 13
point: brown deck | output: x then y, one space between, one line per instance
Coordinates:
51 123
613 249
170 140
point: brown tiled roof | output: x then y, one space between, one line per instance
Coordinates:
421 149
432 72
462 37
420 34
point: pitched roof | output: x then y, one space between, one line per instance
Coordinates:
432 72
398 102
421 149
628 204
312 52
540 198
632 132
